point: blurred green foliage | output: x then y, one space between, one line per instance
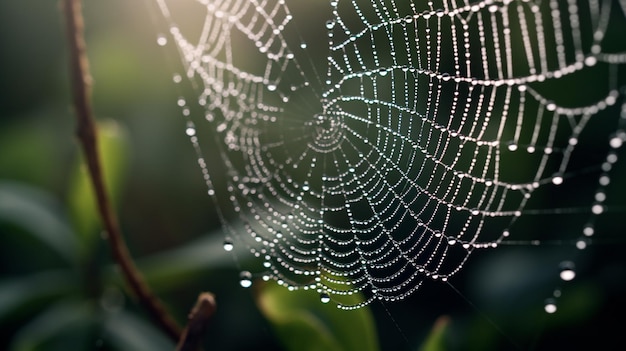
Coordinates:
60 290
61 295
302 322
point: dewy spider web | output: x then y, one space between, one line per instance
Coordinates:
419 135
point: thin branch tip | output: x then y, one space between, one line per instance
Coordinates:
199 319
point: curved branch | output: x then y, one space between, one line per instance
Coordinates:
199 318
87 137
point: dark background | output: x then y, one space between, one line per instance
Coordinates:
163 206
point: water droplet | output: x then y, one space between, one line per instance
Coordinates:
303 46
611 157
600 196
591 61
330 24
616 142
604 180
588 230
597 209
271 87
305 186
191 129
112 299
161 40
550 306
245 279
324 297
228 245
557 179
567 270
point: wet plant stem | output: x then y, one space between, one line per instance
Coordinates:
199 318
87 137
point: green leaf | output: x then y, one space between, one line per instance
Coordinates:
16 293
67 323
304 332
435 341
34 146
303 322
127 332
38 214
113 148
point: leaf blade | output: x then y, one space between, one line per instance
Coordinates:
38 213
291 312
15 293
113 148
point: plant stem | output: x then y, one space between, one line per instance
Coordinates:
87 137
198 320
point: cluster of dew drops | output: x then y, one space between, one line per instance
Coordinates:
567 271
567 268
245 277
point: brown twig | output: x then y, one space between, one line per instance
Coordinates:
198 320
86 133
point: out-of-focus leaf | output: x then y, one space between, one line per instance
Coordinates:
435 341
166 269
38 214
15 293
71 319
113 148
304 332
33 149
303 322
123 75
126 332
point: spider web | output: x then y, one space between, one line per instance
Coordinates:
382 149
